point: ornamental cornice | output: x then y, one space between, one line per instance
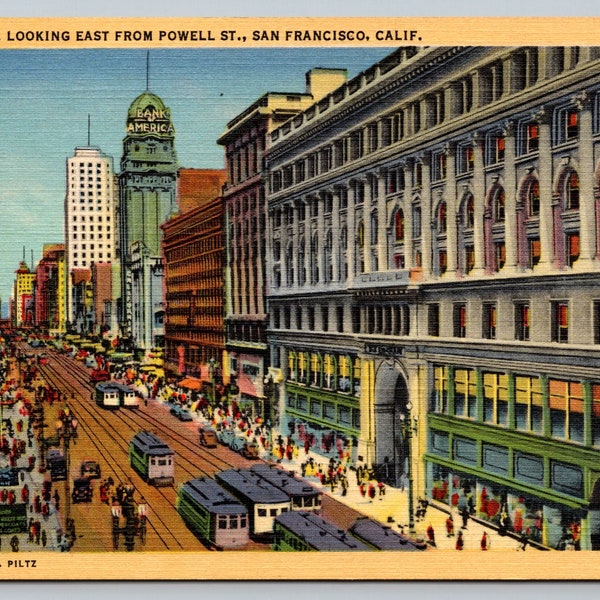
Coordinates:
365 100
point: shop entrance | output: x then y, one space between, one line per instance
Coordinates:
391 449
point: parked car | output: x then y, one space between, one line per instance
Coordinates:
225 436
208 437
175 410
238 442
184 415
90 469
250 450
82 490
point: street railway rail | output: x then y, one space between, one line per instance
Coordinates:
109 434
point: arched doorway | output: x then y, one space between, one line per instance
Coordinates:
391 400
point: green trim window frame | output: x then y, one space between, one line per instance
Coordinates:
565 400
440 395
529 401
495 398
465 393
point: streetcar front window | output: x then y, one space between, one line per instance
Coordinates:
233 522
262 512
273 512
243 522
222 522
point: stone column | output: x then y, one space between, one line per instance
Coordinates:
543 119
367 225
426 216
335 227
407 209
452 210
587 212
479 196
351 237
295 241
382 222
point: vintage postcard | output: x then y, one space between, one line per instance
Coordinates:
300 298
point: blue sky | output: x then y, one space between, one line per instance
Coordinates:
46 97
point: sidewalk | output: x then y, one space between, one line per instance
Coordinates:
32 478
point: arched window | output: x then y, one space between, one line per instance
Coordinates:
572 192
301 266
315 369
442 220
328 251
533 198
399 225
289 265
303 367
343 258
498 205
469 212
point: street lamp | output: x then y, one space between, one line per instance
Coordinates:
409 427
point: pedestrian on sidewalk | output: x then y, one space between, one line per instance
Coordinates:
430 535
459 541
56 500
381 487
485 543
371 492
362 489
449 526
44 538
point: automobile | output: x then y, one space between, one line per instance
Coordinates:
90 469
98 375
82 490
208 437
225 436
237 442
9 476
175 410
184 415
250 450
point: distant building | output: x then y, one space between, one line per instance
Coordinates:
90 222
49 289
193 259
148 194
246 141
23 313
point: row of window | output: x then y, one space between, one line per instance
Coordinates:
462 327
328 371
524 467
332 412
295 317
432 111
550 407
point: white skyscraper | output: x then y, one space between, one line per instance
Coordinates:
90 227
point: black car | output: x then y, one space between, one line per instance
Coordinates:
90 469
82 490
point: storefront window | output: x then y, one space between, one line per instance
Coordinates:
292 366
329 371
495 398
344 374
356 376
566 409
528 404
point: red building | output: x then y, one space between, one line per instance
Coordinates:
193 276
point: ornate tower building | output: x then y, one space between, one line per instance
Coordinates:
148 183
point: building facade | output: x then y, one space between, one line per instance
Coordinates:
90 223
147 197
47 297
435 240
193 275
23 311
246 140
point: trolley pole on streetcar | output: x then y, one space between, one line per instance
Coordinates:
409 429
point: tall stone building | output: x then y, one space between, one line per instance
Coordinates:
147 197
434 249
